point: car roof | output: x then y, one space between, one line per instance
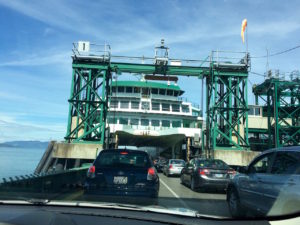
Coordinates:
207 159
124 150
290 148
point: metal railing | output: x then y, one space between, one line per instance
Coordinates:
89 50
230 58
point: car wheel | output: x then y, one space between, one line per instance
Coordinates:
193 184
234 204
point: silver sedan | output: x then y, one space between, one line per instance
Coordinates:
173 167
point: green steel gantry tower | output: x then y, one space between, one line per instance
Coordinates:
281 100
226 93
227 105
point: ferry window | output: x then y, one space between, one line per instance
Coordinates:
176 93
154 91
113 89
254 111
145 91
144 122
134 121
170 92
176 124
251 111
162 91
123 121
124 104
185 109
175 108
120 89
155 123
128 89
113 104
186 124
136 90
135 105
195 113
257 111
155 106
165 107
145 105
112 120
165 123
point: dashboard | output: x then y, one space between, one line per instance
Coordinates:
32 214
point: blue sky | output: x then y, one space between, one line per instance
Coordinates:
36 41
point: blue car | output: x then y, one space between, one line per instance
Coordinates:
119 172
269 186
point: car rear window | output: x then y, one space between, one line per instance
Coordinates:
174 161
213 164
118 159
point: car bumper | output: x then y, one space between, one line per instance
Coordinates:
93 189
174 172
212 183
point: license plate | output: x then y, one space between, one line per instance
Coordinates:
120 180
218 175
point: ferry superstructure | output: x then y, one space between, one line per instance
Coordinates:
156 116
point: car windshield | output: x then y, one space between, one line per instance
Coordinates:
189 107
213 164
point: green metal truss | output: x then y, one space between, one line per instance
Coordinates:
227 104
227 108
282 107
88 103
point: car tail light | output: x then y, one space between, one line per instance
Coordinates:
203 171
151 173
91 172
171 166
123 153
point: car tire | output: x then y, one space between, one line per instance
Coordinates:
234 205
193 184
181 179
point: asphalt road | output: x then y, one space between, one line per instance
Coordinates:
172 194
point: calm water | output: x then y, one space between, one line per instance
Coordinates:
19 161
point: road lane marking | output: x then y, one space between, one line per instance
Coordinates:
173 193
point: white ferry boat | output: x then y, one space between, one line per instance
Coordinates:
154 116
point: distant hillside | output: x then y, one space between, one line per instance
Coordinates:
25 144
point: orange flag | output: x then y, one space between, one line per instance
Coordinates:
244 25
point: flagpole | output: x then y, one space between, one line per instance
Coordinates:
247 39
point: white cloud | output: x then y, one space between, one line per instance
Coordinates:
11 130
42 59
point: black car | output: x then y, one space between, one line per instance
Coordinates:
269 186
122 173
160 164
202 173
